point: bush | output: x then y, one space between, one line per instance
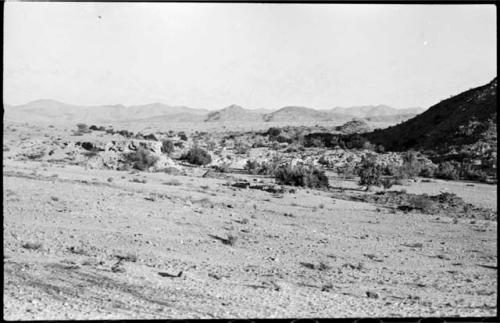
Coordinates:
197 156
182 136
411 165
369 173
426 171
469 172
306 176
422 203
82 128
273 132
260 168
141 159
167 146
447 170
222 168
387 183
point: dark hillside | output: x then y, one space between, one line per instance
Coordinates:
467 120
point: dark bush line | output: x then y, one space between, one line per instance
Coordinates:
141 159
299 175
197 156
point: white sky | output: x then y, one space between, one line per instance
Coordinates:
254 55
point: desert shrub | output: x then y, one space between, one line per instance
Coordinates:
141 159
469 172
273 132
282 139
260 168
411 165
422 203
380 149
222 168
197 156
173 182
32 245
447 170
82 128
179 144
167 146
126 133
369 173
90 153
387 183
93 127
299 175
182 136
150 137
427 171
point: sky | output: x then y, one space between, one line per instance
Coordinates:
254 55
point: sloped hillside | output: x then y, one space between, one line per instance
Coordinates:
465 120
370 111
233 113
304 114
54 111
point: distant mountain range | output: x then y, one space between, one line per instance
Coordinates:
468 119
54 111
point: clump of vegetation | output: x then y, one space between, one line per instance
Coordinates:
222 168
97 128
301 175
32 245
81 129
370 173
469 172
447 170
260 168
167 146
422 202
427 171
197 156
273 132
141 159
182 136
172 182
138 180
411 165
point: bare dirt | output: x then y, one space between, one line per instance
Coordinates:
104 244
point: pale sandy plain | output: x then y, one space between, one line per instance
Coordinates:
303 254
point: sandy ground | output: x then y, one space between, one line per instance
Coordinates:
297 255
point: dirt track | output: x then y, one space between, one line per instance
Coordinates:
300 255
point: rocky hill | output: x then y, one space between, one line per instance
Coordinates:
464 121
51 111
371 111
234 113
292 113
54 111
